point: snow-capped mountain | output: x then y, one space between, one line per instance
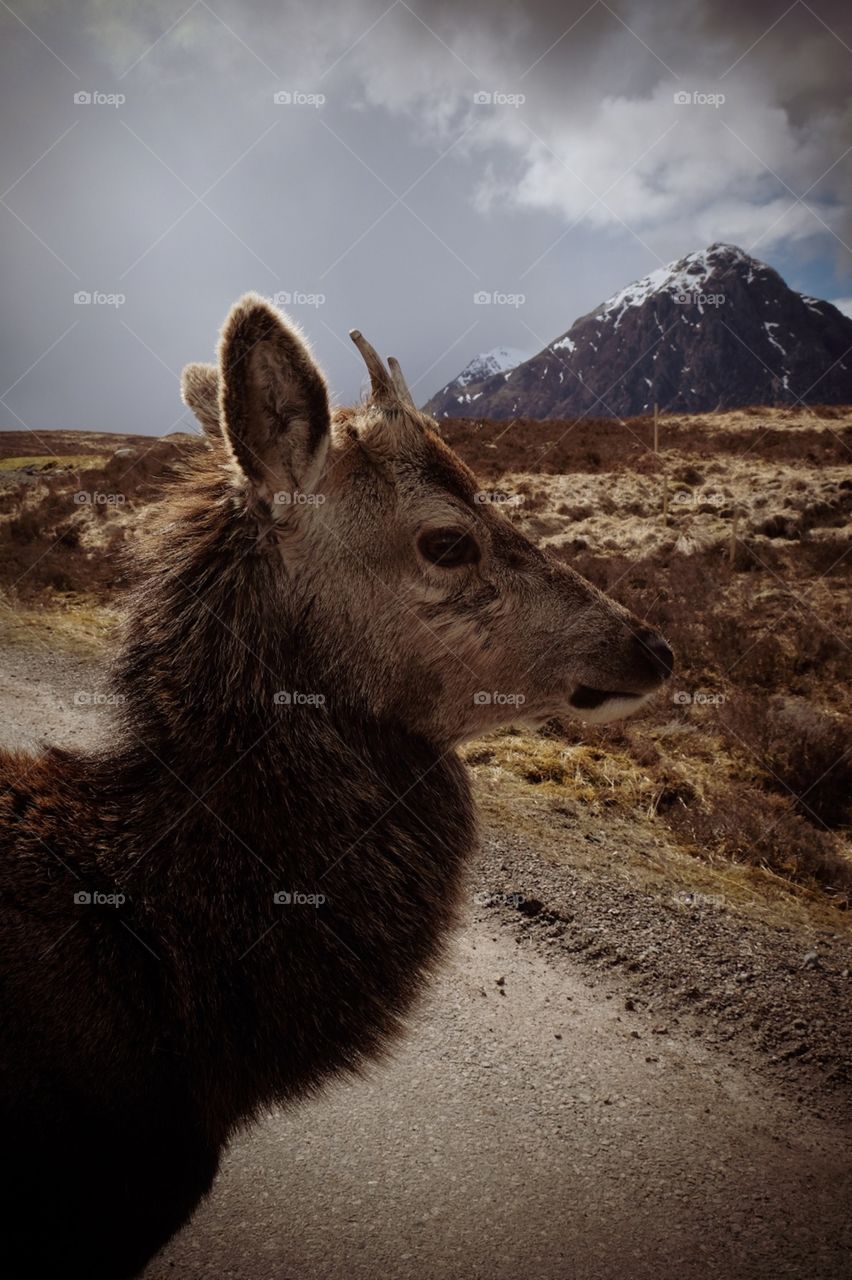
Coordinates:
715 330
498 361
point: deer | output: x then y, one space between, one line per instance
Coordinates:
239 895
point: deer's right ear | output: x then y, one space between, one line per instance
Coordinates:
273 399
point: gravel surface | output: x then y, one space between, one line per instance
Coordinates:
779 998
531 1127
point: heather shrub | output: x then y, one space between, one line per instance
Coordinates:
749 827
806 753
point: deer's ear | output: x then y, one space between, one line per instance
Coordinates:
273 399
199 390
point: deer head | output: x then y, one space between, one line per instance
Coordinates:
426 604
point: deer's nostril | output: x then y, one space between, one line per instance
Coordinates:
656 652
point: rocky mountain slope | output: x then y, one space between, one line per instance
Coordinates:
715 330
486 365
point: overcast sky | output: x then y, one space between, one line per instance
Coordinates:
379 191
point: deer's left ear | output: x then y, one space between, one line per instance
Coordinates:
199 390
273 400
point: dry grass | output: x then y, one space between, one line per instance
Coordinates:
742 824
72 624
622 512
61 444
804 753
817 436
45 463
64 519
619 831
682 800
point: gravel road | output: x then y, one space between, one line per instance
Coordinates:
523 1131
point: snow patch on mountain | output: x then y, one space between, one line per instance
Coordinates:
487 363
769 325
683 280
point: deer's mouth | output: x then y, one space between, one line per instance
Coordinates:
585 698
600 706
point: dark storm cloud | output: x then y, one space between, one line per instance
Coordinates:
396 199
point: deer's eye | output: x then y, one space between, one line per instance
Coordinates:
449 547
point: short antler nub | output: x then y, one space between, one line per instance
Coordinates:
399 382
381 383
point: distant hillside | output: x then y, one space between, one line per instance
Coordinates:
486 365
59 443
716 330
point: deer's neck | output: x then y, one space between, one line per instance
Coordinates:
248 765
297 861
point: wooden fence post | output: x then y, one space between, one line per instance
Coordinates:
732 549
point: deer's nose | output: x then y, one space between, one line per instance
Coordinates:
655 653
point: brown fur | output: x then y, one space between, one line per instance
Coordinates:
139 1036
200 393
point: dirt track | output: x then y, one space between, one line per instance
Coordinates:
538 1122
492 1149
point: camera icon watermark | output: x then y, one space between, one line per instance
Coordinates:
97 298
95 98
296 698
94 698
485 898
489 298
686 98
498 498
293 898
698 698
484 698
296 98
684 299
297 498
298 298
690 898
498 98
94 498
85 898
696 498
